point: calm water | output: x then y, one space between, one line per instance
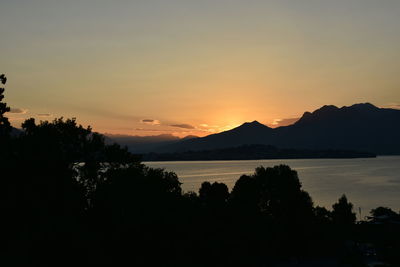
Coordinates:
367 183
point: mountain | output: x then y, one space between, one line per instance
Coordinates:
360 127
246 134
144 144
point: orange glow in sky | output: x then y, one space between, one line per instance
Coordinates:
195 67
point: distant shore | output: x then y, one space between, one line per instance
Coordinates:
255 152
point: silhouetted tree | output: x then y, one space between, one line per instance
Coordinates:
65 145
384 211
322 215
214 195
276 192
192 196
5 126
273 195
51 176
137 207
342 213
245 195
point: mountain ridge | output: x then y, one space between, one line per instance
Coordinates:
360 127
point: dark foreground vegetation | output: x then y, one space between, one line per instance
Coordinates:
67 198
254 152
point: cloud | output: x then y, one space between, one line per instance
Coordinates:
283 122
206 128
152 130
44 115
183 125
18 110
150 122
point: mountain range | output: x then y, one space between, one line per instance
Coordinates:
145 144
360 127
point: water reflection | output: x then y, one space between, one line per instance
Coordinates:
368 183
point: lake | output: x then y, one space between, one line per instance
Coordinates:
367 182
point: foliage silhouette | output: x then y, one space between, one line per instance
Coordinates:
322 215
384 211
214 195
342 213
5 126
275 192
50 175
245 195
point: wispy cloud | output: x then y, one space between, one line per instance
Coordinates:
152 130
150 122
44 115
18 111
209 128
183 125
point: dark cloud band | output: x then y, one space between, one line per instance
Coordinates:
18 110
184 126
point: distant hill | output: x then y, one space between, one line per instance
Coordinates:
360 127
144 144
253 152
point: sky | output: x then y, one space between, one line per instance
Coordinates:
191 67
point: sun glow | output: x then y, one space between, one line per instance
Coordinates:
229 127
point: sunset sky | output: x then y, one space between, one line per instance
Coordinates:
195 66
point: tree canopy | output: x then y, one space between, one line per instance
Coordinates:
342 213
5 126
